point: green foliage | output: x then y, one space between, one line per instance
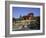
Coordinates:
35 24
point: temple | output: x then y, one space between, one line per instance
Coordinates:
28 17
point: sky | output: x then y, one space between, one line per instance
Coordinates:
22 11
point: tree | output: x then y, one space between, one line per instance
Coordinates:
35 24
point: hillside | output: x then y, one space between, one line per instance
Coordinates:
31 24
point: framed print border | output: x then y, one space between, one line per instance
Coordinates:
7 18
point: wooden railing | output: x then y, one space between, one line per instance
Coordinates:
23 22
